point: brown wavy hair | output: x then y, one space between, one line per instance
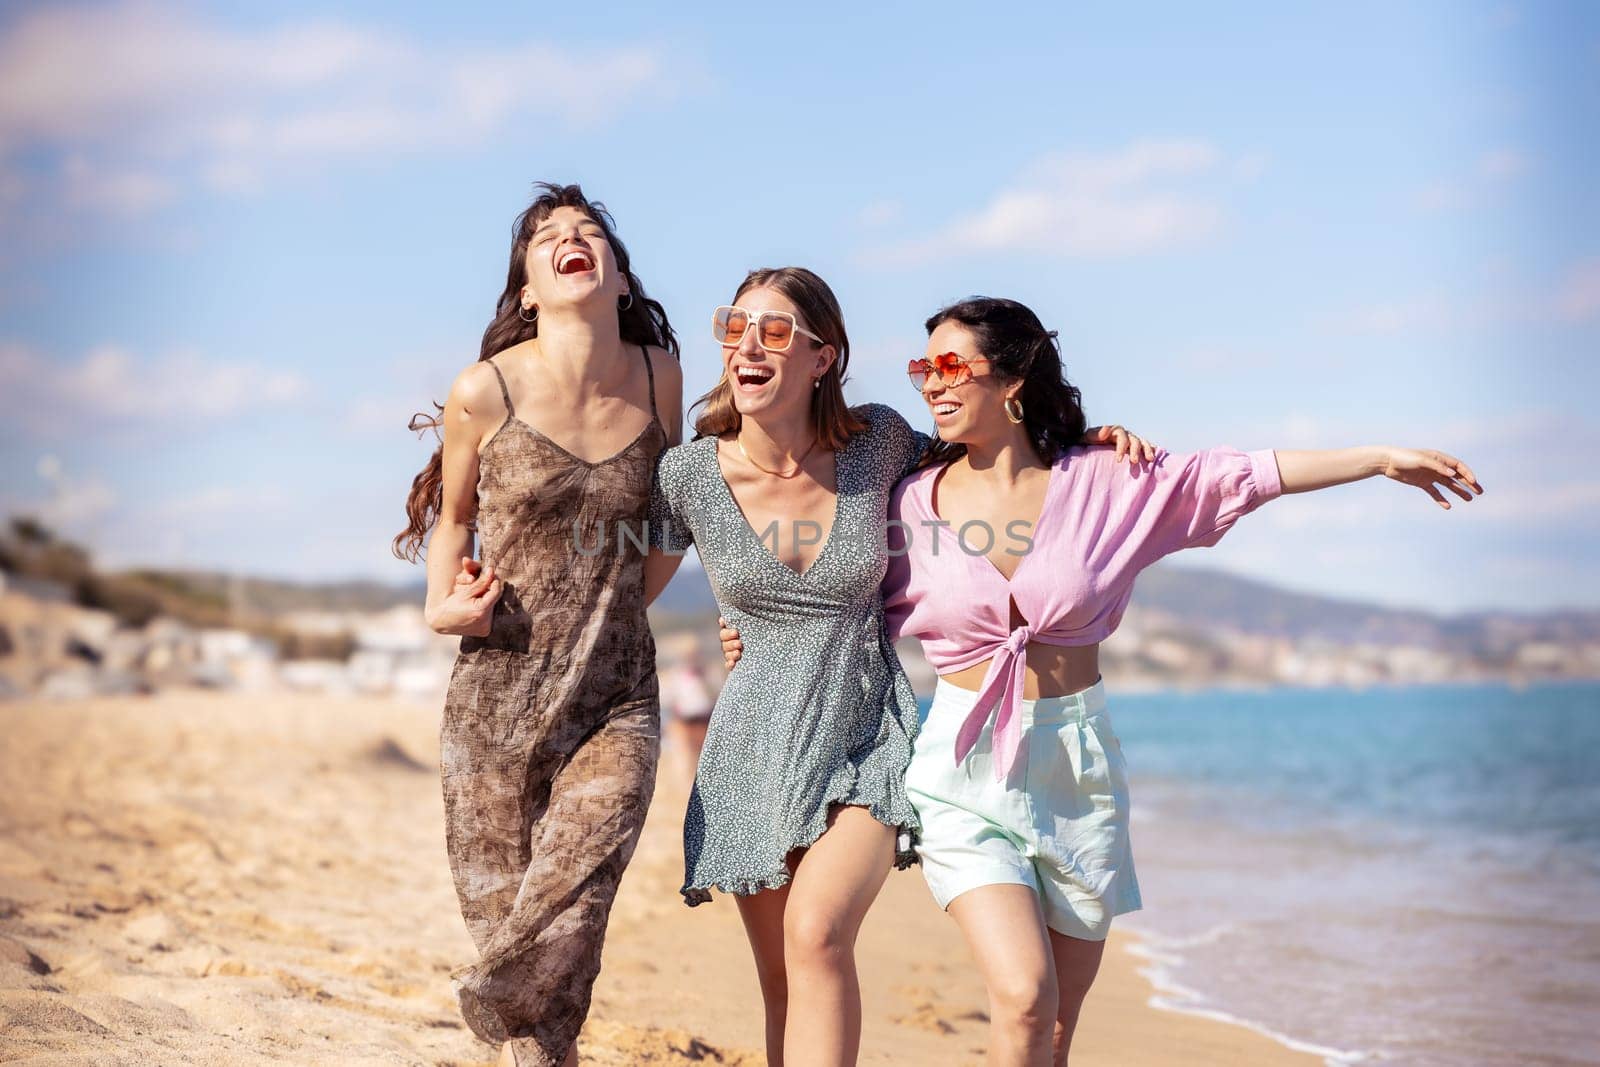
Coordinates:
831 417
642 322
1021 348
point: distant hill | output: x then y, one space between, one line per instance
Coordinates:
1202 599
1192 597
1208 598
272 596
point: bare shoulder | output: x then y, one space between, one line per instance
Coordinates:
669 391
668 371
476 392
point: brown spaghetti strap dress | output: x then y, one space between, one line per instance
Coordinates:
551 731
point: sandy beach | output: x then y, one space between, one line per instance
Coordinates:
205 878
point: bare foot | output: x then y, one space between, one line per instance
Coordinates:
509 1058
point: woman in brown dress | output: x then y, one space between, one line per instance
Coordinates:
551 728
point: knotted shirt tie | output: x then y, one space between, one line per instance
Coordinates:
1000 695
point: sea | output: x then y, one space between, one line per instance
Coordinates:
1391 875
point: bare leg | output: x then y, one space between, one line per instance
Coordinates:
763 925
1005 930
687 737
1077 962
835 882
694 731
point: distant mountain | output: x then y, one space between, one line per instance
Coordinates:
1208 598
272 596
1191 597
1205 600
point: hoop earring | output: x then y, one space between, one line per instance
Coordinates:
526 318
629 304
1011 402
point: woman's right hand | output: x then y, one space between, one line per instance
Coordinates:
732 647
468 610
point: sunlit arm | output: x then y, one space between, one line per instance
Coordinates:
659 567
1303 471
461 593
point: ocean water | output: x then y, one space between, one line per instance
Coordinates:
1407 875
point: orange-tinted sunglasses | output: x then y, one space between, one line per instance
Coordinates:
951 368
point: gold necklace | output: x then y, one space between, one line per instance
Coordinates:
799 464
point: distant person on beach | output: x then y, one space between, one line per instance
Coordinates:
686 703
551 728
1013 555
799 807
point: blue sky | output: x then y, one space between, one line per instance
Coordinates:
238 247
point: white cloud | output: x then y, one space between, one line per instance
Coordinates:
1573 298
1394 317
114 192
1250 166
386 415
110 382
881 213
1225 358
1578 297
64 501
1503 164
1140 198
1523 457
220 503
131 103
73 503
1492 171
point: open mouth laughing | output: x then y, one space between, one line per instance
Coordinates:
574 261
751 378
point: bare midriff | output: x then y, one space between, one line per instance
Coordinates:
1051 671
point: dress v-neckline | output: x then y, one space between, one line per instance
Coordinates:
722 479
559 447
1033 532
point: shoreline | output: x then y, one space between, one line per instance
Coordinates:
1167 994
202 877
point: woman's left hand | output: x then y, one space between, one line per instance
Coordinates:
1128 443
1427 470
732 646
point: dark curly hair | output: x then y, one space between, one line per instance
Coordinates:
1020 348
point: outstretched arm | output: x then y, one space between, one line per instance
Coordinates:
1304 471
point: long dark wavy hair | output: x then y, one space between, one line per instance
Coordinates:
642 322
1020 348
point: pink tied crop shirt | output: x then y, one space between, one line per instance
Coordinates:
1101 524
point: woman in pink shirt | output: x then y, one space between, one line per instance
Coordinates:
1013 552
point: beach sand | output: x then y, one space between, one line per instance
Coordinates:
208 878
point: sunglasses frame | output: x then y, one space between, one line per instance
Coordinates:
755 319
962 371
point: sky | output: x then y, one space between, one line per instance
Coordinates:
241 244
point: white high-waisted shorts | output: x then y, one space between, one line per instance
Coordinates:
1058 823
